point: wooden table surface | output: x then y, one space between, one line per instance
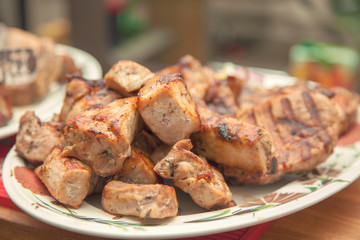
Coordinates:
337 217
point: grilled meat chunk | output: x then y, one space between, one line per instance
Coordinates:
304 126
194 175
145 201
197 77
146 142
35 139
94 98
127 77
220 98
81 94
25 50
236 144
138 168
101 136
69 67
5 106
346 103
68 180
168 109
159 153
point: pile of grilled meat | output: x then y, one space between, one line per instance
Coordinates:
29 65
123 135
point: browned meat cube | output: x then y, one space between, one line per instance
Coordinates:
94 98
197 77
138 168
145 201
68 180
5 105
101 136
146 141
35 140
168 109
159 153
80 94
221 99
236 144
195 176
127 77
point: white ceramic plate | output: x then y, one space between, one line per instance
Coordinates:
255 204
53 100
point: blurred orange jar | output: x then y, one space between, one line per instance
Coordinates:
330 65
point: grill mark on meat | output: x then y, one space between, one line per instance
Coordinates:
289 114
298 128
98 106
305 146
273 166
327 141
287 108
269 117
328 93
310 105
94 131
170 78
223 132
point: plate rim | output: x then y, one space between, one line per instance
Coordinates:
172 231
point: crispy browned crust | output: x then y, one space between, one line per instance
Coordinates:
236 144
101 136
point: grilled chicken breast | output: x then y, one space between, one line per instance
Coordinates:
304 126
35 139
197 77
127 77
236 144
168 109
345 101
68 180
194 175
144 201
101 136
